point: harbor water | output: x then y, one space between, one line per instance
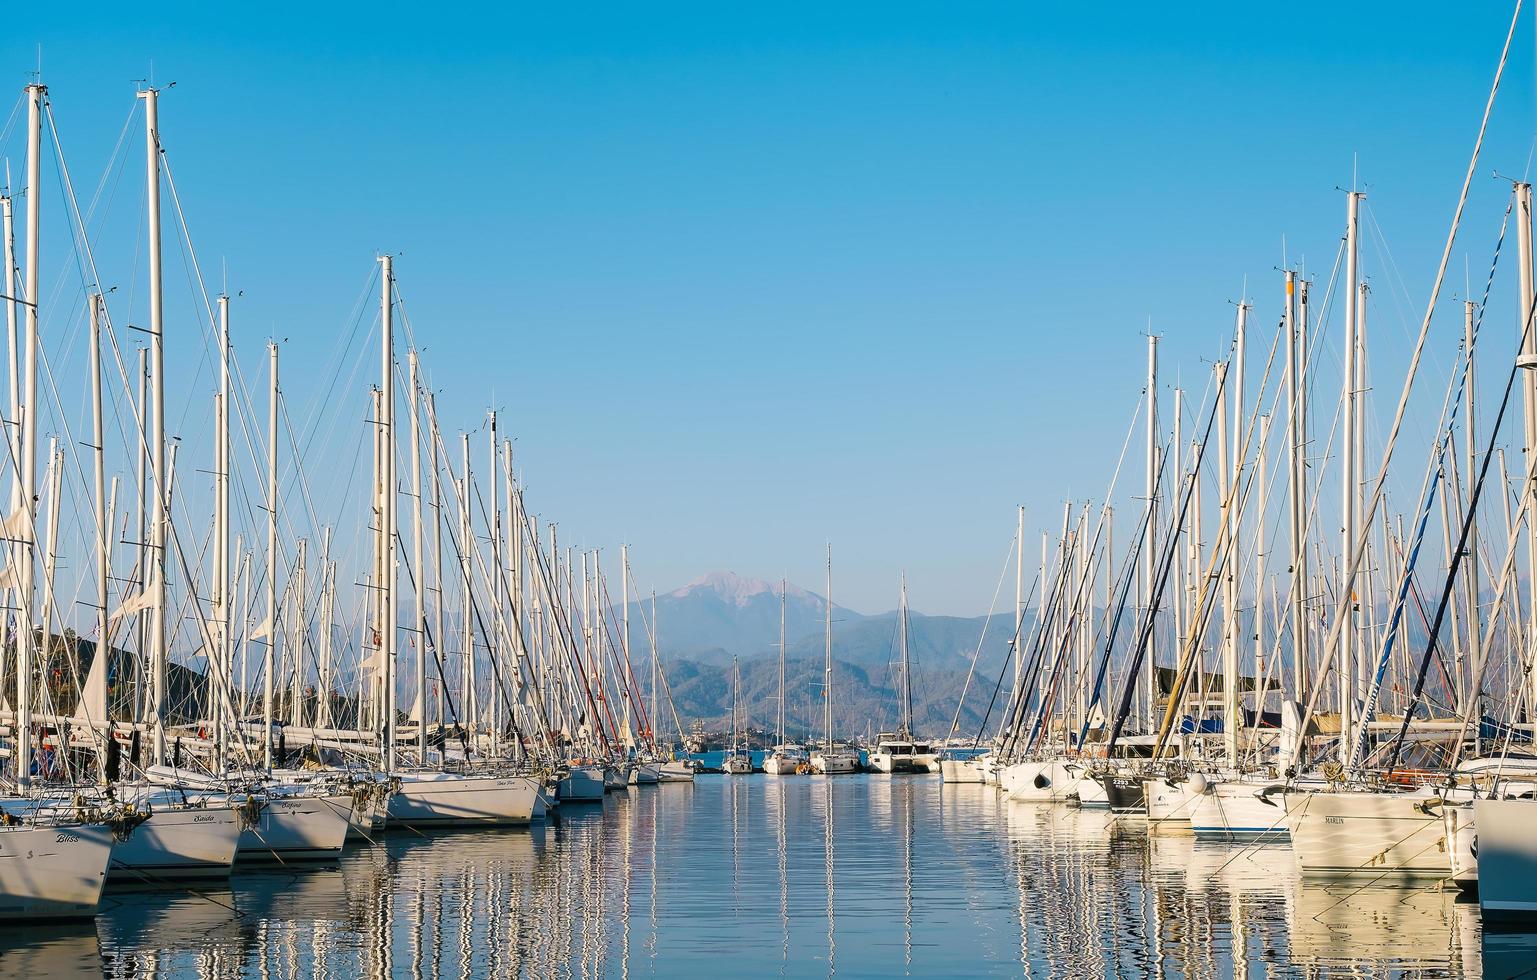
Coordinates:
755 876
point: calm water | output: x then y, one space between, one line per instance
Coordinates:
745 877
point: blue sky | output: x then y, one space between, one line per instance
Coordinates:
745 280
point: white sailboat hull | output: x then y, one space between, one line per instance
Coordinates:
1041 782
675 772
297 828
1170 804
833 763
963 770
178 843
1507 851
1091 793
52 872
1381 834
1237 810
442 799
583 784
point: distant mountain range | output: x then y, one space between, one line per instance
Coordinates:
702 626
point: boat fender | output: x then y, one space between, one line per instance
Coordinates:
1041 780
1198 783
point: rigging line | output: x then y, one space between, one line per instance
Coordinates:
1008 558
1127 576
1437 466
240 389
1357 549
335 364
1450 406
10 120
1161 579
1462 540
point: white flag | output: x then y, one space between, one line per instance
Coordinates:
134 604
18 526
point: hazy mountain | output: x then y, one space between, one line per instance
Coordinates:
706 623
721 615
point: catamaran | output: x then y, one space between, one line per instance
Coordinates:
899 751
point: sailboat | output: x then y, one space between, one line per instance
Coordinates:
899 751
830 759
785 758
738 760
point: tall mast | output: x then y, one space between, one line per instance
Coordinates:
1295 475
624 628
1345 667
28 484
160 516
1230 466
419 707
467 701
387 503
327 620
93 703
1150 509
1182 529
1470 432
784 592
226 654
269 667
494 518
1529 405
1019 597
438 643
827 642
655 704
907 685
1260 481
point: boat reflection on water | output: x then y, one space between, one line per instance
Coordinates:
1397 928
778 877
64 951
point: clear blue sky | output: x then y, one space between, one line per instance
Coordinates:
742 281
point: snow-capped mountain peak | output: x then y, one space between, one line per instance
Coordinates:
733 588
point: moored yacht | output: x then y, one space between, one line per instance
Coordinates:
676 771
898 752
1507 844
1040 781
831 759
52 871
787 760
580 783
1238 808
438 799
834 761
1347 832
